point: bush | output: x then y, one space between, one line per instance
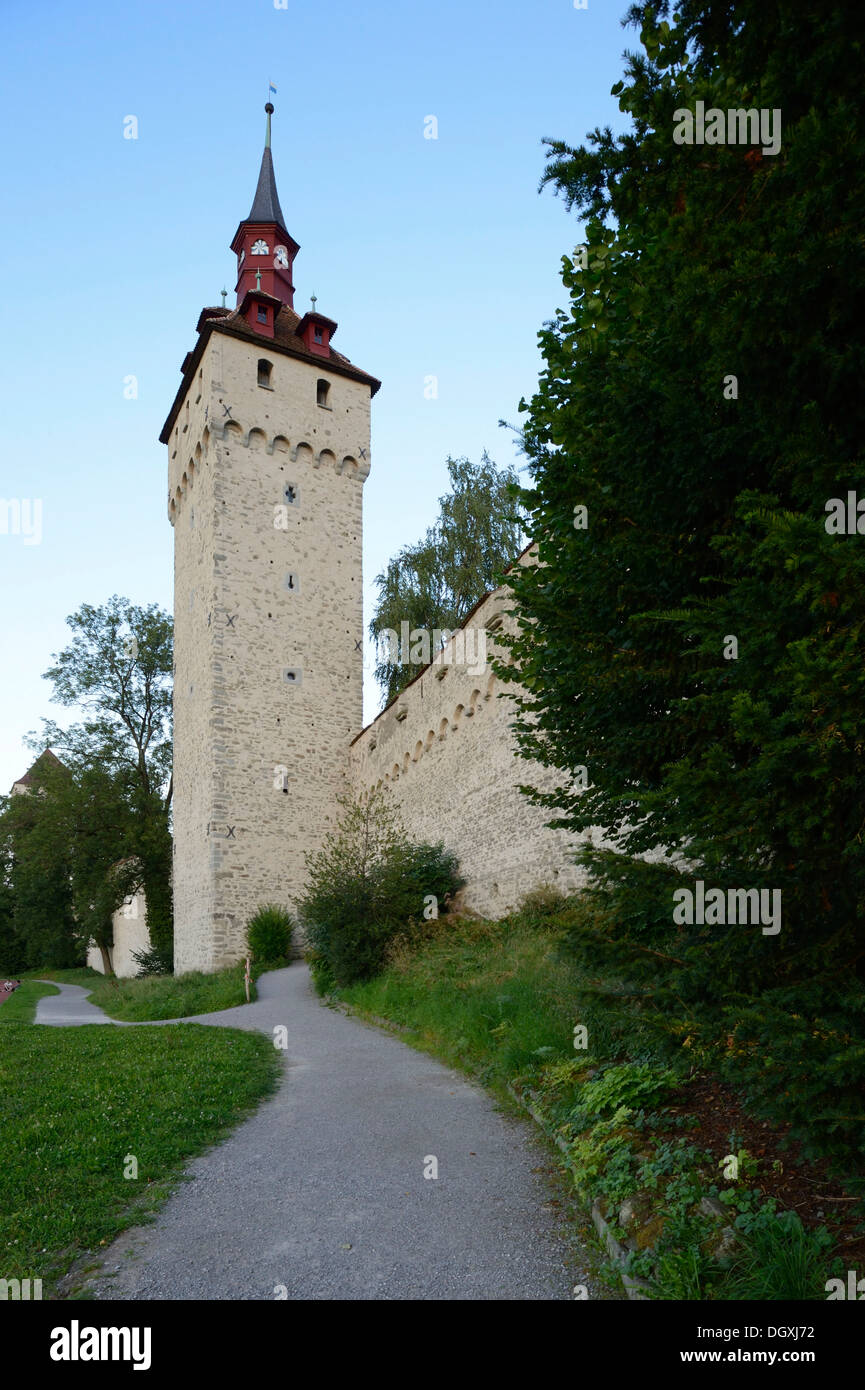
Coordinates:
157 960
268 935
365 886
542 903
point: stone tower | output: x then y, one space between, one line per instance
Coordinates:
268 448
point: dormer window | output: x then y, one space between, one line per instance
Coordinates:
262 313
322 391
260 247
264 370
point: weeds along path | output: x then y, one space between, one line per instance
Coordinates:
321 1194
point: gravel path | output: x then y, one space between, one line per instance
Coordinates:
321 1193
68 1007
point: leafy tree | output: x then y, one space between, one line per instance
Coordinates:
118 668
367 883
436 582
706 518
41 930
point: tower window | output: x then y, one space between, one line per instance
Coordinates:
264 370
262 313
322 391
318 336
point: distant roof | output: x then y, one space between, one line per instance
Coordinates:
45 760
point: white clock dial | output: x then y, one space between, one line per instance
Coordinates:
280 256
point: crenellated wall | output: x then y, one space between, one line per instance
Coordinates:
445 754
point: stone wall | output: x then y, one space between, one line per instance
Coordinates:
260 757
130 934
444 752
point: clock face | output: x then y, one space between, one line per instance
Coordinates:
241 258
280 257
260 248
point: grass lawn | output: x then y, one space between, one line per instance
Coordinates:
77 1102
157 996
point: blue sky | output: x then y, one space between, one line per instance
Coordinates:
436 257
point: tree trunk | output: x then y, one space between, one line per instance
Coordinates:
107 967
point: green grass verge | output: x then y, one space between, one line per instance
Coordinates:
78 1101
490 997
158 996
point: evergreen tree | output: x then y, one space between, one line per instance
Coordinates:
701 400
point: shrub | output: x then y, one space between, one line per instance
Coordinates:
542 903
366 885
157 960
269 933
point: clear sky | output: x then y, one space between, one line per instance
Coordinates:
436 257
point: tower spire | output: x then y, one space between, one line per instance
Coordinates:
263 243
265 204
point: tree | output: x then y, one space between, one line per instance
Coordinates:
40 927
365 885
435 583
119 669
701 400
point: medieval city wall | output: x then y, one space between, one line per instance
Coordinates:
444 753
130 934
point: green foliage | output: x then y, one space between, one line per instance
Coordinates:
489 997
118 668
436 583
542 903
712 995
778 1260
38 909
367 885
154 961
268 935
630 1084
706 517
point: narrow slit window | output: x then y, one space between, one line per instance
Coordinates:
322 391
264 371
